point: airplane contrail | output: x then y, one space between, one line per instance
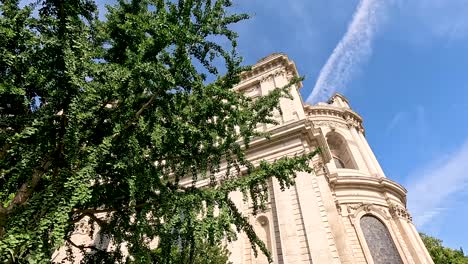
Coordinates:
354 48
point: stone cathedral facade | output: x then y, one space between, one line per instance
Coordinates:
348 211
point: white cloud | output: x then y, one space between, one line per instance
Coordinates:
354 48
436 186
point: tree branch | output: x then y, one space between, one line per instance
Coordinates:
82 247
27 188
81 216
94 211
145 105
97 220
107 210
138 114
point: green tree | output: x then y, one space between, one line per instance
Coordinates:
204 253
101 120
441 254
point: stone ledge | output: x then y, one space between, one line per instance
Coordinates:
358 181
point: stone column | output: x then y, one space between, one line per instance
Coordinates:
362 150
288 235
407 235
313 215
335 220
425 256
371 155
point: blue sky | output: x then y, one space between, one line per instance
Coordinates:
403 64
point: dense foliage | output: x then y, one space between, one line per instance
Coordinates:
101 120
441 254
204 253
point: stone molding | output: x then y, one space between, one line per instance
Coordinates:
347 118
277 73
355 210
255 87
331 124
381 185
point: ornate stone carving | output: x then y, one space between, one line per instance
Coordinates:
331 124
281 72
318 167
351 122
289 75
266 78
399 212
354 207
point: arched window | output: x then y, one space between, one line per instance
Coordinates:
338 163
262 228
379 241
340 152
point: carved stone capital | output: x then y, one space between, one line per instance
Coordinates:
399 212
351 122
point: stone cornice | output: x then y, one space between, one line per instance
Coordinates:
343 116
265 65
292 129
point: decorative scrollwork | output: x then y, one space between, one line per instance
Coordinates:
354 209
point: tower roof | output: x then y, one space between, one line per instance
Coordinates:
338 95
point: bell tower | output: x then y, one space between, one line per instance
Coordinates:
345 137
370 222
